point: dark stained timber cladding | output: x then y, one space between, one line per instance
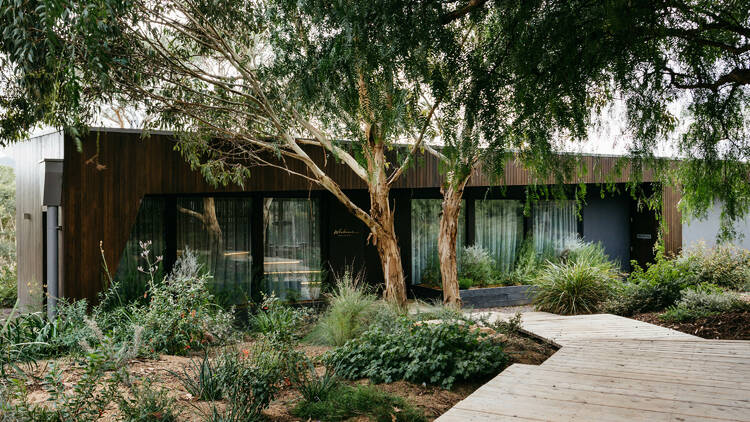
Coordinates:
104 183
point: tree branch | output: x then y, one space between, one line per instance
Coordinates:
462 11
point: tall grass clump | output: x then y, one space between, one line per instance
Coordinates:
578 284
351 309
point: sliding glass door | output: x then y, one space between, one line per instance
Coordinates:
148 228
425 226
292 256
218 231
499 230
554 225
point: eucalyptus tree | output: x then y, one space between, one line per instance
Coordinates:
479 125
658 57
248 83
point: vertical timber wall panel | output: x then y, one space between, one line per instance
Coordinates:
30 231
672 220
104 184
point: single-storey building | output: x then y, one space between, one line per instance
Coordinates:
83 213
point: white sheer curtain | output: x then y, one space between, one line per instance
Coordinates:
425 226
291 261
499 229
554 225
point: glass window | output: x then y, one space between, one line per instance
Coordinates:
149 226
218 230
554 225
425 226
292 261
499 230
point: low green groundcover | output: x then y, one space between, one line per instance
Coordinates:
438 354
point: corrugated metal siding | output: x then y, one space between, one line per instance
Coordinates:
30 231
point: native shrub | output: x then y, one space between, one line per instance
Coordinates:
419 352
148 404
726 266
85 401
250 380
277 319
704 300
32 336
350 311
476 264
181 314
465 283
654 288
312 386
202 378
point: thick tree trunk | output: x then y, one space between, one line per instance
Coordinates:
384 232
393 273
447 242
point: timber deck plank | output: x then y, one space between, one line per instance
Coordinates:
611 368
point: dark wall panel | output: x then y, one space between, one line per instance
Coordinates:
608 221
104 183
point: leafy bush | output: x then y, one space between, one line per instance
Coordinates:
31 336
711 298
250 380
419 352
351 309
476 264
347 402
148 404
277 319
8 285
703 300
7 237
465 283
726 266
86 401
655 288
181 314
431 273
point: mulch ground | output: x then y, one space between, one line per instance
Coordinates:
725 326
433 400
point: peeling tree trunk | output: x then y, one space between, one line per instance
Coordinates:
447 236
386 242
383 232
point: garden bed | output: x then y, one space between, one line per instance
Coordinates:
482 297
433 401
723 326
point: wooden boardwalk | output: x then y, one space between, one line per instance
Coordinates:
611 368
